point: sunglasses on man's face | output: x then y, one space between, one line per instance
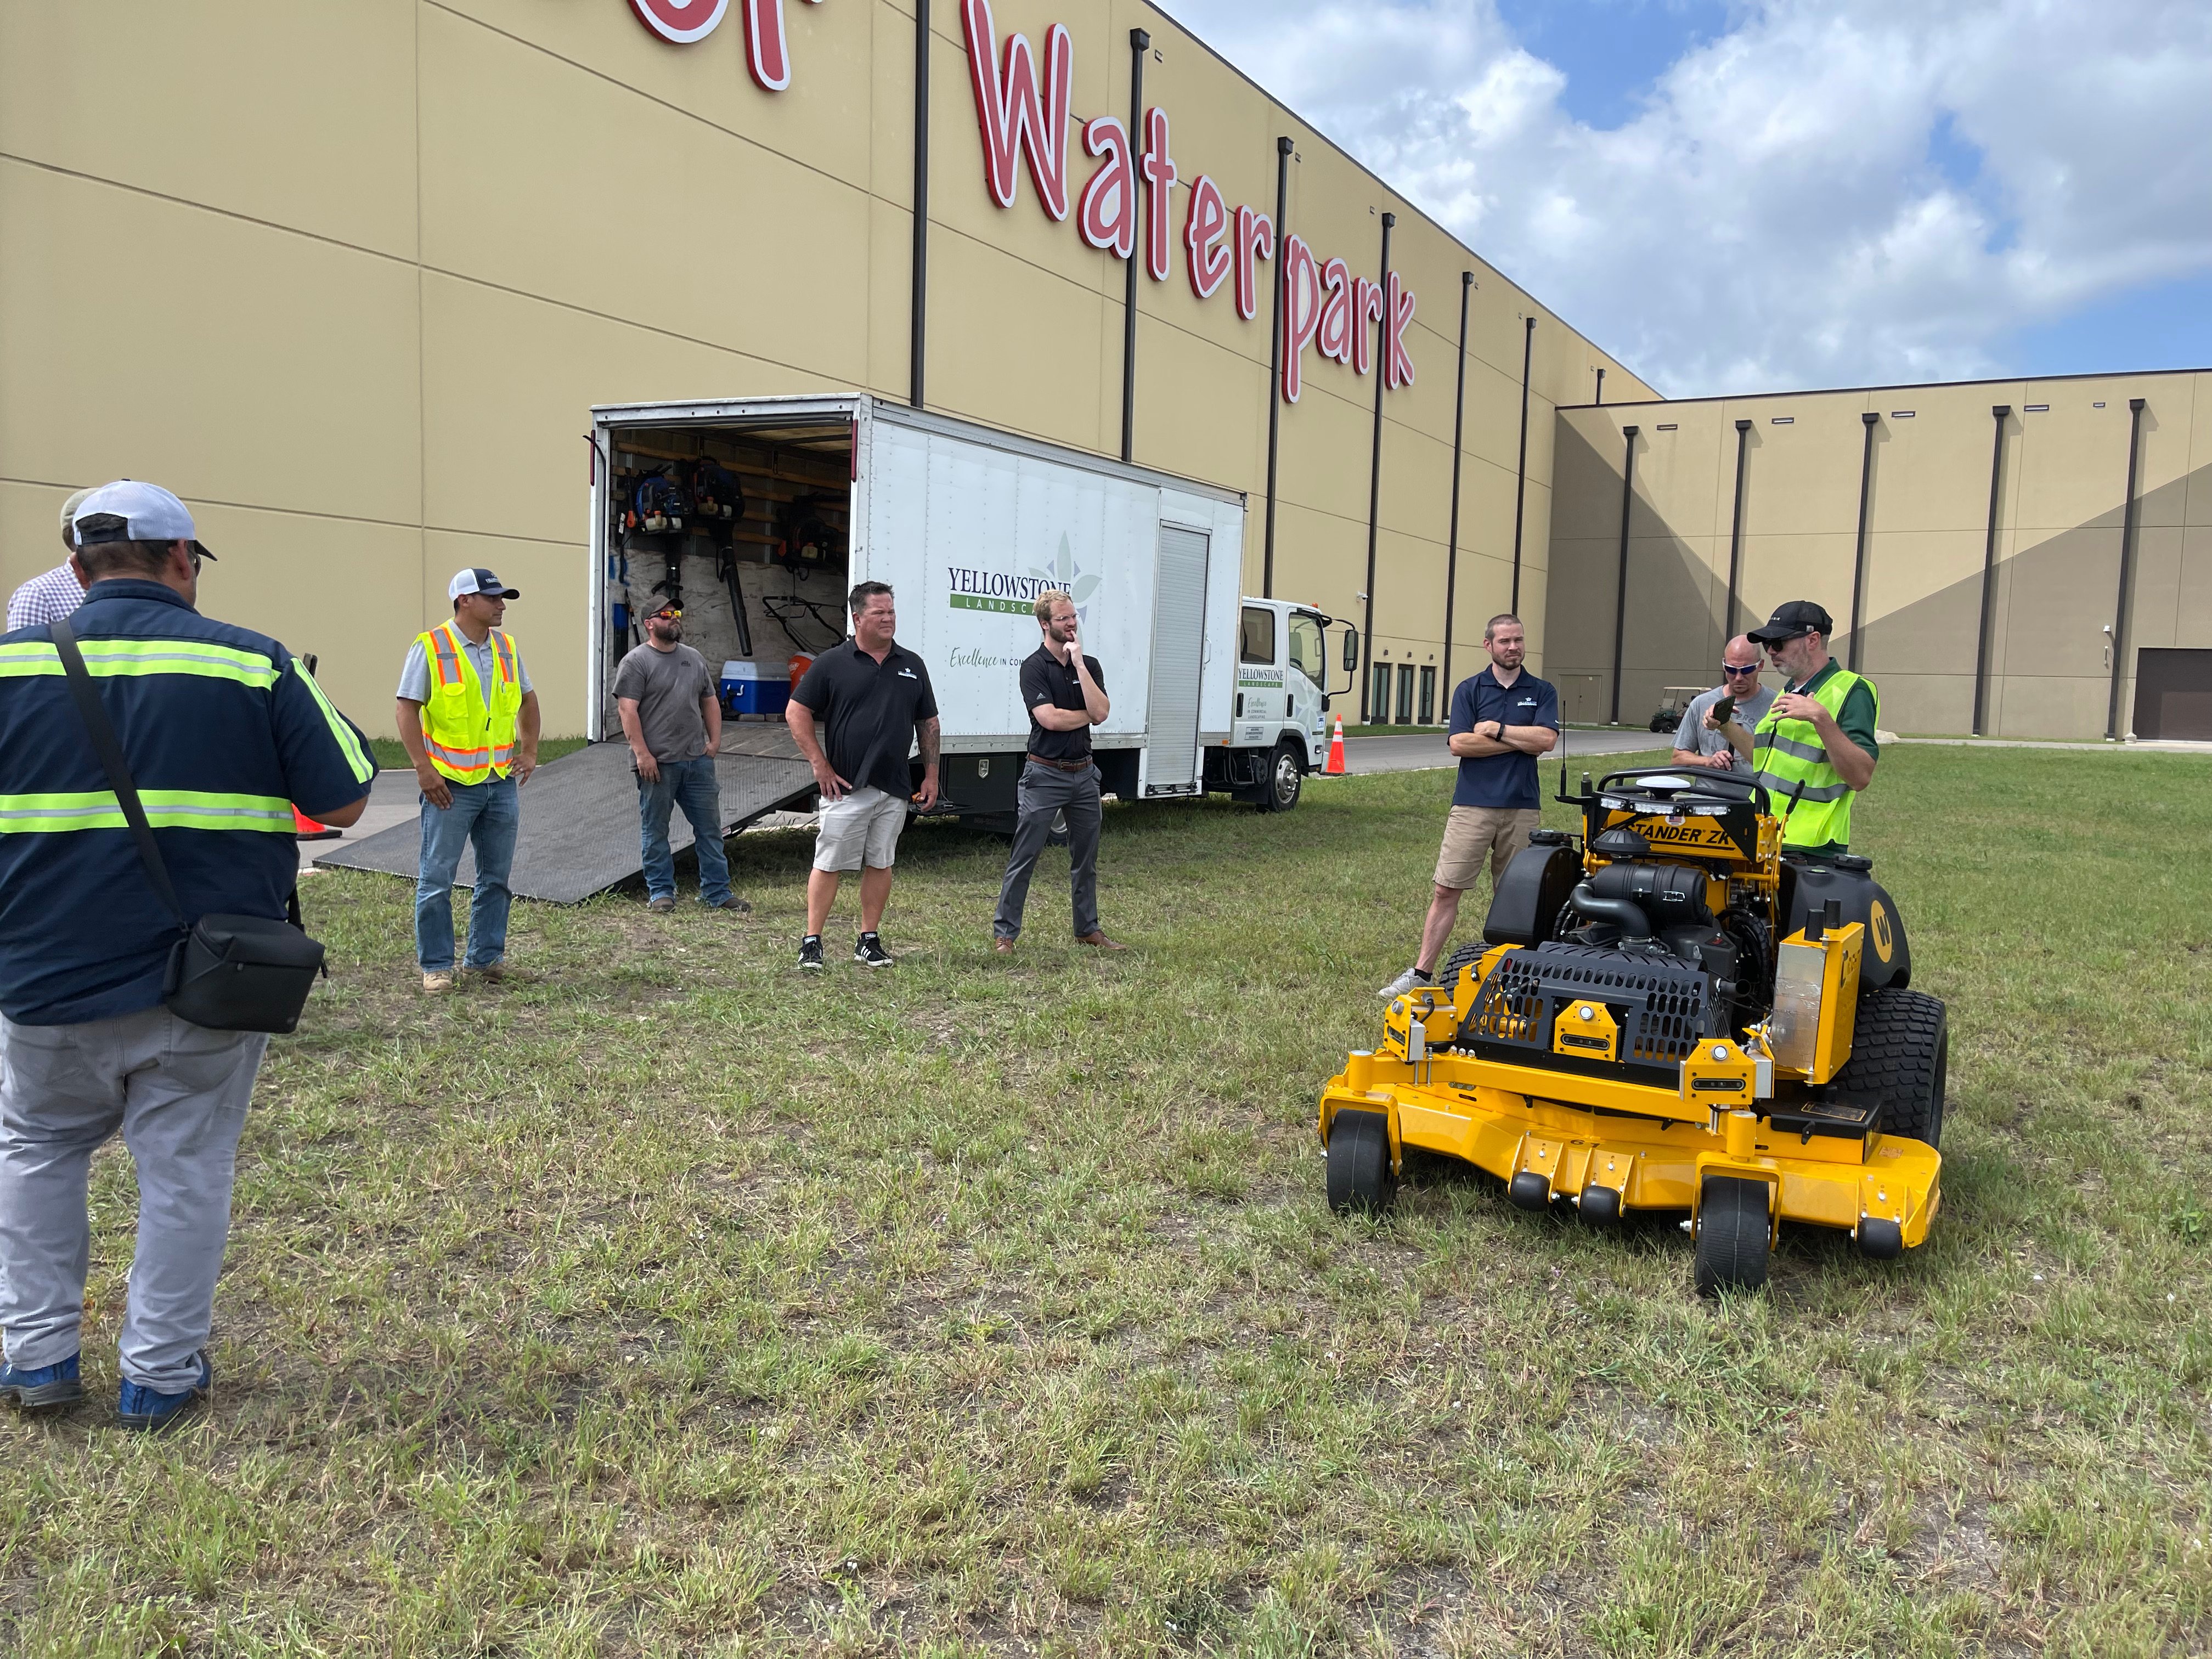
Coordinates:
668 614
1730 668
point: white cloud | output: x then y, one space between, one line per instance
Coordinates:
1773 216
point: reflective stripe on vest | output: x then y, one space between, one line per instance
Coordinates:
1793 765
466 741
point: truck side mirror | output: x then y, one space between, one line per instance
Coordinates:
1350 650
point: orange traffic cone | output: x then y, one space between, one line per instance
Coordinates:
308 829
1334 768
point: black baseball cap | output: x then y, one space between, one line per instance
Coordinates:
1797 617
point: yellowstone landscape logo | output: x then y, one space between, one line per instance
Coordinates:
1011 595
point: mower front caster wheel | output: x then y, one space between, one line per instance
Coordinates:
1359 1174
1530 1191
1734 1230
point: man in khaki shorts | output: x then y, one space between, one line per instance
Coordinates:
859 710
1501 720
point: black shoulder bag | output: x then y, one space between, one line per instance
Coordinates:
227 973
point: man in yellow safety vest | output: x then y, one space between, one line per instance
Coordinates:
1814 749
468 716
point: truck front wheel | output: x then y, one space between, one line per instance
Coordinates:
1286 777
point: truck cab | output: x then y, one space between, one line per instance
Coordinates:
1279 726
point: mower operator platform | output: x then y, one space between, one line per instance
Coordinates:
1668 1012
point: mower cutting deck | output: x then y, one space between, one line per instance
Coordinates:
1668 1012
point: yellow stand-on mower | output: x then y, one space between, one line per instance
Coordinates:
1669 1013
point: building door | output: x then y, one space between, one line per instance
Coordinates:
1428 697
1378 701
2174 695
1405 694
1178 655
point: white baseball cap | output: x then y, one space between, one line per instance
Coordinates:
480 580
129 511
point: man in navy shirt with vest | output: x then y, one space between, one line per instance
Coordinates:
1501 720
222 732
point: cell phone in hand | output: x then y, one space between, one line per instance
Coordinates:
1724 710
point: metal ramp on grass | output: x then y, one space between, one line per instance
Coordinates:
579 834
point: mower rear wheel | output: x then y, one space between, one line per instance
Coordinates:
1900 1060
1359 1174
1734 1231
1448 976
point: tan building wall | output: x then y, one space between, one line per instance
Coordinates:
2060 504
348 278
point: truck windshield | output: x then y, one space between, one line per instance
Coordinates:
1306 646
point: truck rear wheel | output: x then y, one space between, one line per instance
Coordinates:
1734 1231
1286 777
1900 1060
1359 1174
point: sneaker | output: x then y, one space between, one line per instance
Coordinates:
437 984
733 903
1405 982
41 1387
141 1407
870 952
661 906
810 953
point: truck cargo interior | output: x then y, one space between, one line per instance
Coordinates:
745 527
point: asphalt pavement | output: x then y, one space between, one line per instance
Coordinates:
1418 753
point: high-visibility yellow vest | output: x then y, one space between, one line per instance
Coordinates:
1789 753
469 742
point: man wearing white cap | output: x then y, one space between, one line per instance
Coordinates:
61 590
469 720
221 730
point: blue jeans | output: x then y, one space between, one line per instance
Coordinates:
692 785
485 814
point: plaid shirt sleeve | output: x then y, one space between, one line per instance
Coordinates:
45 598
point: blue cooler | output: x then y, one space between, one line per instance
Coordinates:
755 688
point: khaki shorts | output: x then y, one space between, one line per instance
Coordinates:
1472 831
861 829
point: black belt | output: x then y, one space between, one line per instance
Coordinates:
1083 765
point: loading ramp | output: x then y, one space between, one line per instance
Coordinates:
579 835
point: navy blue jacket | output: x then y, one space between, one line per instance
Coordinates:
222 729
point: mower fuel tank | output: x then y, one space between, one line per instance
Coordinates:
1807 884
1526 905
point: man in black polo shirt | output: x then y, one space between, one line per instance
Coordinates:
1065 692
871 698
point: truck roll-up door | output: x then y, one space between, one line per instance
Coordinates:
1178 657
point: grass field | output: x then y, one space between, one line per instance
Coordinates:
666 1303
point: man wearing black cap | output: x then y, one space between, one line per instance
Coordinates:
1814 748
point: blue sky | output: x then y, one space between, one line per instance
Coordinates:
1773 193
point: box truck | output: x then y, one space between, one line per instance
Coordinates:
759 514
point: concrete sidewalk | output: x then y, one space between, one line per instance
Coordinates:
1421 752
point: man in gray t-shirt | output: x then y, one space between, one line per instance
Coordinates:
666 695
1696 744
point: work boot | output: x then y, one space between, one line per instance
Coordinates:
141 1407
492 973
1002 945
438 983
661 906
733 903
41 1387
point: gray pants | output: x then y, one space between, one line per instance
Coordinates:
1045 792
178 1093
